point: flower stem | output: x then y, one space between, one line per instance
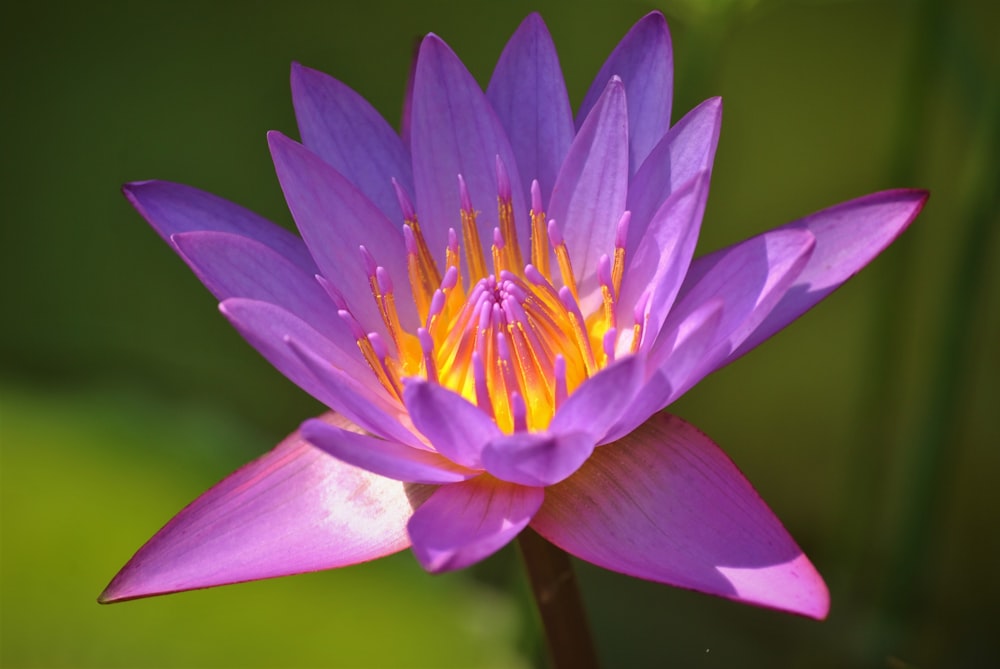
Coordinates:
559 604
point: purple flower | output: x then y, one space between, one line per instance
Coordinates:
496 305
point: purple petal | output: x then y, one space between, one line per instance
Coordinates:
342 128
235 266
379 456
848 237
644 60
750 279
687 149
268 328
366 405
294 510
529 95
335 219
457 429
666 504
663 257
537 458
173 208
462 523
600 400
455 131
590 192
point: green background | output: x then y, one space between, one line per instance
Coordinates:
869 426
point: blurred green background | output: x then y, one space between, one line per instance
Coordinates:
870 426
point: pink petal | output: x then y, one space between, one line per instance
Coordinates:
173 208
462 523
335 219
455 131
848 237
235 266
590 191
600 400
342 128
667 505
385 458
528 92
457 429
645 62
687 149
537 458
268 327
294 510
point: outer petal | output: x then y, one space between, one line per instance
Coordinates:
294 510
234 266
173 208
848 237
335 218
342 128
462 523
644 60
590 192
687 149
379 456
455 131
456 428
529 95
666 504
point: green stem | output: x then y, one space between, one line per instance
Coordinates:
559 604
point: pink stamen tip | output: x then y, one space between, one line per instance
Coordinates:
368 260
453 241
381 352
384 280
405 204
536 197
555 237
639 311
610 339
503 349
503 181
566 297
497 238
335 295
356 330
482 389
463 193
604 270
450 279
534 276
621 233
437 305
427 347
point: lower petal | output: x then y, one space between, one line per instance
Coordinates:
296 509
666 504
463 523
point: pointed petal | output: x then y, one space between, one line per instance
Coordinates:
455 131
529 95
342 128
537 458
687 149
268 327
590 191
173 208
600 400
666 504
385 458
663 257
750 279
335 218
457 429
294 510
644 60
367 405
848 237
235 266
462 523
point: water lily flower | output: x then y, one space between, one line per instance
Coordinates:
496 304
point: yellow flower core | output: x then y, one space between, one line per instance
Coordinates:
504 337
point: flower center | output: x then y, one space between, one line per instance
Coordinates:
510 338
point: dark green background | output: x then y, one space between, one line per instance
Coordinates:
870 426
